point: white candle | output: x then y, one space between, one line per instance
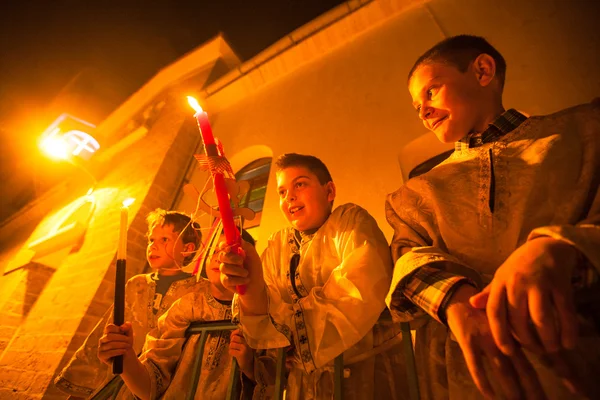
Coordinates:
122 250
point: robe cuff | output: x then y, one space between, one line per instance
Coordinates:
66 386
156 380
260 331
404 309
431 288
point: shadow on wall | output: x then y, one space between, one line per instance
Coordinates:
38 276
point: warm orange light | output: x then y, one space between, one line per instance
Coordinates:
194 103
55 147
128 201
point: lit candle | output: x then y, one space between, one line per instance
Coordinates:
122 250
120 276
232 235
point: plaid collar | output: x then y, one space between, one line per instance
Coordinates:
505 123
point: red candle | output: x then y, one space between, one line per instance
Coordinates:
232 235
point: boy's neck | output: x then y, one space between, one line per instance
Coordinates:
313 230
310 231
495 110
169 272
220 293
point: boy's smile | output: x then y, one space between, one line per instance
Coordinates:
305 202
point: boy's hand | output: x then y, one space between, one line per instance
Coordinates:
239 269
530 298
116 341
514 374
244 270
244 355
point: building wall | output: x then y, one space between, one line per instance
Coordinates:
351 107
49 312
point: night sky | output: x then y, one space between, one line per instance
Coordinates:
44 44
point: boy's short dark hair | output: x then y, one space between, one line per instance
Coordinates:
460 51
180 221
312 163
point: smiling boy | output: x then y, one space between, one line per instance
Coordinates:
320 289
516 207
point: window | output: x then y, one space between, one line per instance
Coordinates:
257 175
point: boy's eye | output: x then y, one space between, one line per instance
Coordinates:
281 193
418 109
300 184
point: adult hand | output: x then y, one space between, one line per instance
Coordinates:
514 374
116 341
530 299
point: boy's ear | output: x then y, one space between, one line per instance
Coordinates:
330 187
484 67
189 248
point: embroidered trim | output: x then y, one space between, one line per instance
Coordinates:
219 341
71 387
283 329
157 377
485 217
303 346
151 317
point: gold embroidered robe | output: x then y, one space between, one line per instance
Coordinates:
169 358
547 176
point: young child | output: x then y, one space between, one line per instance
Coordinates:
516 208
172 240
164 370
320 288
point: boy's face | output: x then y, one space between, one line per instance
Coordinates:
165 248
212 268
304 201
447 100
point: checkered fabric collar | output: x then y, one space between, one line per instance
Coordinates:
505 123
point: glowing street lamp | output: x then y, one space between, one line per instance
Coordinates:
71 144
68 136
55 147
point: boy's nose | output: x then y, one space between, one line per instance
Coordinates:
425 112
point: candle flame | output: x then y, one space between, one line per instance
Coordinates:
194 103
128 201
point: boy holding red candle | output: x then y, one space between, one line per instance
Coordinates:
319 290
515 211
172 241
164 370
